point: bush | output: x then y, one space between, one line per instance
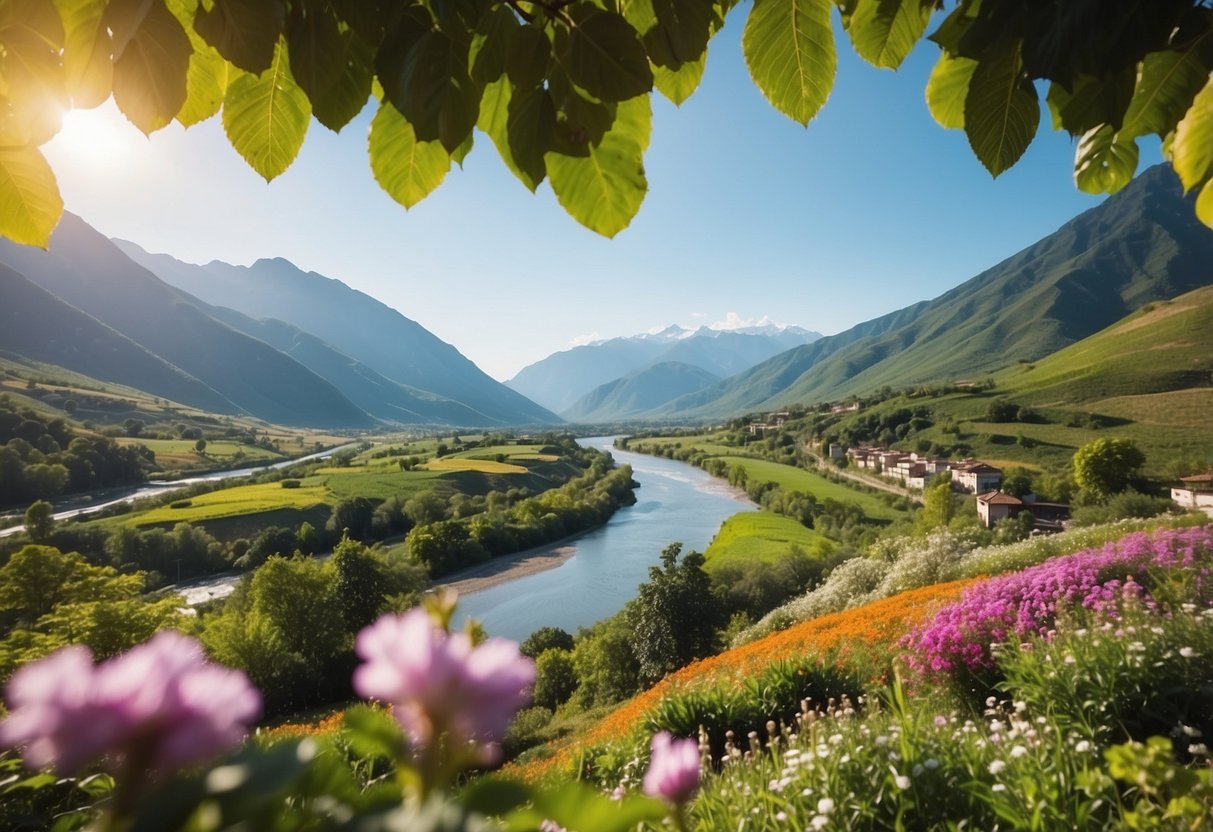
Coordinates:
181 504
291 483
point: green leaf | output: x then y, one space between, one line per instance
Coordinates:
317 50
434 92
494 795
531 120
528 56
1204 204
150 73
678 84
1166 85
494 121
1093 101
206 84
406 168
88 69
371 731
346 98
31 72
491 44
575 805
1001 109
604 189
266 117
947 88
30 205
682 31
245 32
789 49
884 31
604 56
460 153
1104 163
1192 149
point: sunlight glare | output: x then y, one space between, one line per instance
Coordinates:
96 140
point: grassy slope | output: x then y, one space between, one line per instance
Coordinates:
1151 372
790 478
759 536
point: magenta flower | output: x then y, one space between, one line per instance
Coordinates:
160 706
439 683
673 769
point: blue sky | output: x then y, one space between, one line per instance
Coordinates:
871 208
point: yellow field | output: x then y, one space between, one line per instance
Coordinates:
243 499
484 466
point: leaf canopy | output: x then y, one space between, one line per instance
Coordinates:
563 87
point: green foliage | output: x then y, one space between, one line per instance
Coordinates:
564 89
938 504
544 639
359 584
607 669
555 678
1105 466
674 617
39 521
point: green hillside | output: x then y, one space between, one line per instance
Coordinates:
632 395
1140 245
1148 378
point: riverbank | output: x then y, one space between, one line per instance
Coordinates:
505 568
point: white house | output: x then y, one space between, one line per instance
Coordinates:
976 477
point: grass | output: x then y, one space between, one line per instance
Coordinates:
759 536
791 478
242 499
344 483
706 442
180 452
484 466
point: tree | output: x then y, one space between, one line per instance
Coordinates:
544 639
1105 466
353 516
555 678
674 617
200 446
39 521
576 82
360 584
938 503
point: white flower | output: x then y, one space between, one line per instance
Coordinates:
931 764
781 816
825 806
1082 746
835 739
1018 751
997 767
902 782
1198 749
998 787
1187 652
819 822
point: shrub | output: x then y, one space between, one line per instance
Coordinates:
181 504
291 483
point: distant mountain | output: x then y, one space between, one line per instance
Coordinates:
367 331
1140 245
36 324
561 379
85 270
639 392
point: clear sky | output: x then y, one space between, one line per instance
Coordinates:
871 208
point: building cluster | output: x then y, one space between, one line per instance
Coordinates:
774 422
1194 492
971 476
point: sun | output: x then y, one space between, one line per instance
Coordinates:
96 140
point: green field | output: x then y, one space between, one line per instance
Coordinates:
790 478
760 536
484 466
706 442
176 453
243 499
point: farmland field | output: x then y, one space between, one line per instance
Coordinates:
243 499
484 466
760 536
790 478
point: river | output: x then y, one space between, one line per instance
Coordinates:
675 502
155 488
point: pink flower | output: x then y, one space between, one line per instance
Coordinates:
673 769
440 683
161 704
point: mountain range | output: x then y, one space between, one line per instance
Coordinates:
559 381
234 350
1140 245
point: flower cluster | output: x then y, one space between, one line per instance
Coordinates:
673 772
440 683
156 708
1027 602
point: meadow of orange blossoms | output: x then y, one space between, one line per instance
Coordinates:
877 626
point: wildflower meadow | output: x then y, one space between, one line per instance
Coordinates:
1074 693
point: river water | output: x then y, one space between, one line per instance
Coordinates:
675 502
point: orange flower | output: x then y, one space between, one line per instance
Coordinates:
875 626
